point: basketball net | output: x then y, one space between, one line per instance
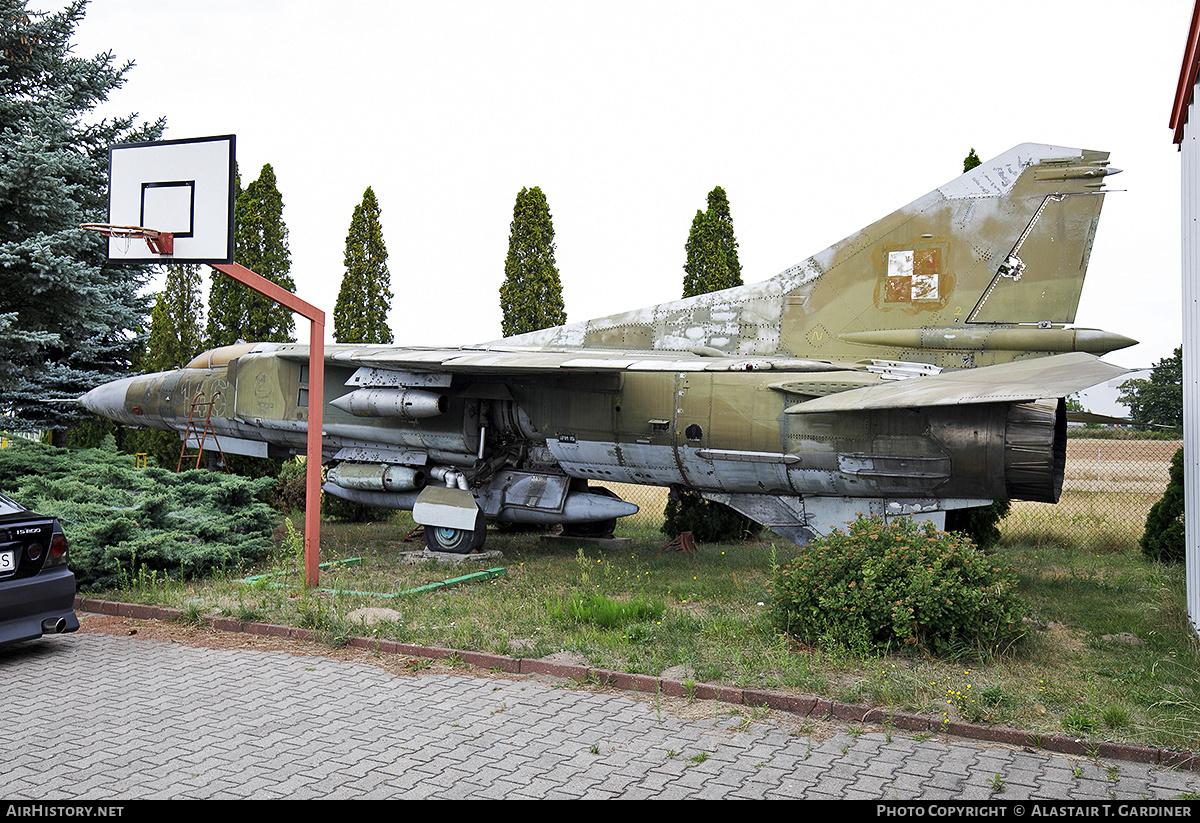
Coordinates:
159 242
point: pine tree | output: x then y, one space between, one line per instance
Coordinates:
225 295
729 269
712 260
711 265
67 322
531 295
176 336
176 323
971 161
1164 538
700 250
260 238
360 315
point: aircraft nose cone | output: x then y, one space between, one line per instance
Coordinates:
109 401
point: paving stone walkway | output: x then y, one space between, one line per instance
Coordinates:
97 717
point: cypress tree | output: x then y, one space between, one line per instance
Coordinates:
68 321
176 336
728 267
531 295
176 323
360 315
711 265
260 237
1164 537
699 249
226 295
712 260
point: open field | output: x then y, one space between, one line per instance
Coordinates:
1119 465
1108 489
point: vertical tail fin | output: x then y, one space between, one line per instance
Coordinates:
987 268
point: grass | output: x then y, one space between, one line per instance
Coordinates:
1109 654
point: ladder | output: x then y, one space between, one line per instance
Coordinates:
193 430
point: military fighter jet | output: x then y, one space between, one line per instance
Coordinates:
917 367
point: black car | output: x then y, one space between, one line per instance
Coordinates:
37 590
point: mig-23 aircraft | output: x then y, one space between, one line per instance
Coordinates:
917 367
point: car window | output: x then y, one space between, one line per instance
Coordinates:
9 507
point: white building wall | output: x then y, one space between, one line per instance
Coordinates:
1190 211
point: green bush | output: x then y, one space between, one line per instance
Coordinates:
290 486
121 521
981 523
1163 538
897 583
708 522
291 495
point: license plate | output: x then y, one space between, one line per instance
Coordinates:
8 562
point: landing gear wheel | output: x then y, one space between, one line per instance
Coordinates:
593 528
454 541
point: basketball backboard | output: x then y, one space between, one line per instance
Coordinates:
181 187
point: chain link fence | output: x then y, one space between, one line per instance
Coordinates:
651 502
1108 489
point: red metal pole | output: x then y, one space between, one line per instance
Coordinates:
316 405
312 477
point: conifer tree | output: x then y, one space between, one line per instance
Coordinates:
711 265
360 315
1164 538
68 322
971 161
176 336
700 250
176 322
226 295
531 295
712 260
260 239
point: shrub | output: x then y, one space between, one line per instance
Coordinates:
1163 538
338 508
121 521
897 583
291 495
981 523
708 522
290 486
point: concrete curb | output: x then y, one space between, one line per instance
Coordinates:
817 708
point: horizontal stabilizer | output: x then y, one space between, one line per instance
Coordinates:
1105 420
1017 382
1101 419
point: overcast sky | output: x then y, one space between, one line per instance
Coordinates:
816 118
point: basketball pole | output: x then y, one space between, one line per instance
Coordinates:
316 405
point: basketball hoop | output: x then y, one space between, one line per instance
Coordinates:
160 242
